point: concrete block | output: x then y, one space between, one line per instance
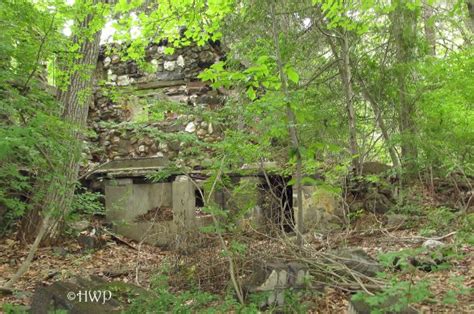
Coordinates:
184 201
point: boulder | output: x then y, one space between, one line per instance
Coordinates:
358 260
275 278
432 244
377 202
80 296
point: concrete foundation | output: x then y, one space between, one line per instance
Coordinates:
133 203
125 201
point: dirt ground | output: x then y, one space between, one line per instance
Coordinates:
118 262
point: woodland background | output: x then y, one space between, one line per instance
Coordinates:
342 95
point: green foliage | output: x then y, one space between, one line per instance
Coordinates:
161 299
14 309
439 219
163 174
86 203
446 113
465 233
32 135
397 296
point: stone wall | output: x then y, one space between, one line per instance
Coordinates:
121 113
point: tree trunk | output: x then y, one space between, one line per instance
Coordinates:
345 72
404 30
381 124
429 28
292 132
346 75
470 10
56 194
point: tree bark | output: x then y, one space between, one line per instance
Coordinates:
470 11
57 195
429 28
345 72
291 130
381 124
404 23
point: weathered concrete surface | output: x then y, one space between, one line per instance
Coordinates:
124 201
118 200
184 202
162 233
318 205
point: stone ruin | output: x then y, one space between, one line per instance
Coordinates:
131 141
126 96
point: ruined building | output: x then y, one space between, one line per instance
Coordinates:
135 138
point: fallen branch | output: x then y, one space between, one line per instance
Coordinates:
419 238
119 239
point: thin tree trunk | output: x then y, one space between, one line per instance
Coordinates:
381 124
346 75
291 130
345 72
429 28
404 28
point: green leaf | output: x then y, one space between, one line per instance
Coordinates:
292 75
251 93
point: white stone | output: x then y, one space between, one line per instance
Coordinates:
181 179
432 244
141 148
277 279
115 59
163 146
169 65
210 129
154 64
159 154
193 99
123 80
161 50
191 127
180 61
107 62
112 77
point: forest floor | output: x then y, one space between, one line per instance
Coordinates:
118 262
